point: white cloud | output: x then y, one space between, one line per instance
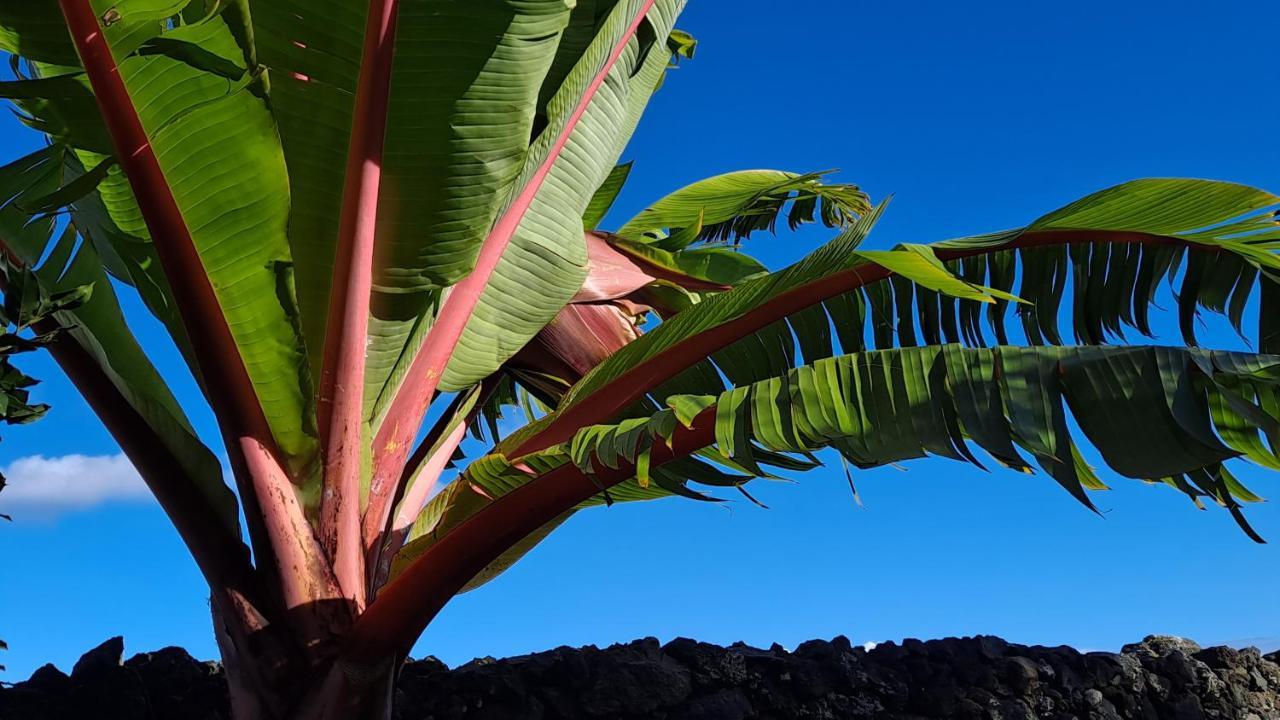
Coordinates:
55 485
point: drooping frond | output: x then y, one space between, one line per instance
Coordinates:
65 266
1157 414
98 327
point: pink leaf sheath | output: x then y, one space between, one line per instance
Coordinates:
341 402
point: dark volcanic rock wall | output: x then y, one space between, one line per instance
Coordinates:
981 677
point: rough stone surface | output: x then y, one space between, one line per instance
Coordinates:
982 678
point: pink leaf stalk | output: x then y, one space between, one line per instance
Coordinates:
427 480
416 497
341 402
391 446
419 477
300 563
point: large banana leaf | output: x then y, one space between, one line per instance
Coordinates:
312 52
1154 413
1158 414
236 207
545 262
97 326
197 99
464 82
463 98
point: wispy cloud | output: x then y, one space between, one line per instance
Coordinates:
55 485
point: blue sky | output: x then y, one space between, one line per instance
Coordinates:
976 119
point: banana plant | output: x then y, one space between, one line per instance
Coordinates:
355 215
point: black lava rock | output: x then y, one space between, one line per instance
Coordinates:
982 678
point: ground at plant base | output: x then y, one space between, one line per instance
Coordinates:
980 677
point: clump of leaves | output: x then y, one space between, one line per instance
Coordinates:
27 324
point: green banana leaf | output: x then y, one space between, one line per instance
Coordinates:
545 262
463 96
235 204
